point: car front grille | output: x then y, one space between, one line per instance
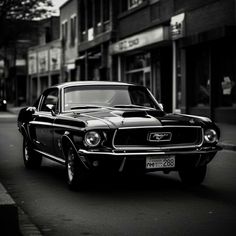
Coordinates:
158 137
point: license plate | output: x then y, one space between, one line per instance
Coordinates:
160 162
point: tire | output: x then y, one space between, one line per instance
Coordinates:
76 172
193 176
32 159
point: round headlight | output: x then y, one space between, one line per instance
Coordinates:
4 102
92 139
211 136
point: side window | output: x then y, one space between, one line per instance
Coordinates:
50 99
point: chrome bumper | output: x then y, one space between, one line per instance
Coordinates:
126 153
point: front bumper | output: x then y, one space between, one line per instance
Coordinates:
119 160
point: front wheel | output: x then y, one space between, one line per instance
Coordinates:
31 158
193 176
76 173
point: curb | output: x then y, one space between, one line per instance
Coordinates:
13 220
228 146
9 221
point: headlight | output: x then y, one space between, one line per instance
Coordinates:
211 136
92 139
4 102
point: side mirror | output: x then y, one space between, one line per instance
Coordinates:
51 108
32 110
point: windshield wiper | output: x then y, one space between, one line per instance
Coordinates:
85 107
131 106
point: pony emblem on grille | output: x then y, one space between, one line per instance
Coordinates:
159 136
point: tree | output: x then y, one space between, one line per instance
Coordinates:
20 10
24 9
18 21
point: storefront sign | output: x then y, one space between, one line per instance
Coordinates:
43 61
32 63
139 40
55 59
177 26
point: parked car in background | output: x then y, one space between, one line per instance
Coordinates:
3 104
94 126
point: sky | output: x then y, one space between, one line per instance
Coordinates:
57 4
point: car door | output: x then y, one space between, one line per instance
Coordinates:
43 119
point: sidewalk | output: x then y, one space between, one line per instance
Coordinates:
228 136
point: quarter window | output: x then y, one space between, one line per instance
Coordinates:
50 99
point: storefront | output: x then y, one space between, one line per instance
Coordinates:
211 79
146 59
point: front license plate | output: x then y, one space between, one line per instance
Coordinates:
160 162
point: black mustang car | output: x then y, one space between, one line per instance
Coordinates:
97 126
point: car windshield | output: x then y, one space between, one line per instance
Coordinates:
82 97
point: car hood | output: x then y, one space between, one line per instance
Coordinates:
116 118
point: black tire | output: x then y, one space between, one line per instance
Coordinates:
193 176
76 172
32 159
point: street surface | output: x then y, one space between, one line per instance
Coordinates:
156 204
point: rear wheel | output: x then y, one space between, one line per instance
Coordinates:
194 175
31 158
76 173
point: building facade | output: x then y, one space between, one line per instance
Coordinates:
19 35
44 68
69 40
142 53
44 59
206 58
182 50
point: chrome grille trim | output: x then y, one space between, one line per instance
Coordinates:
170 147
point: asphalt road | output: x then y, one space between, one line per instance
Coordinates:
156 204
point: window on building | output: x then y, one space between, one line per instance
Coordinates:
130 4
134 3
48 34
64 31
72 31
90 14
97 12
106 10
82 17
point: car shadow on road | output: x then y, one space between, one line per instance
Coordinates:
155 183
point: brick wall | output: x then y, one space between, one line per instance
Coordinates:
210 16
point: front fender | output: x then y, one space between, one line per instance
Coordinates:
67 141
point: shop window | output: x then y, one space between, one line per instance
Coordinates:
137 61
224 72
199 76
138 70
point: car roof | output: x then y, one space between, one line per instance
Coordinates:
88 83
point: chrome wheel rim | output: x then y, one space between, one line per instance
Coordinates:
70 165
